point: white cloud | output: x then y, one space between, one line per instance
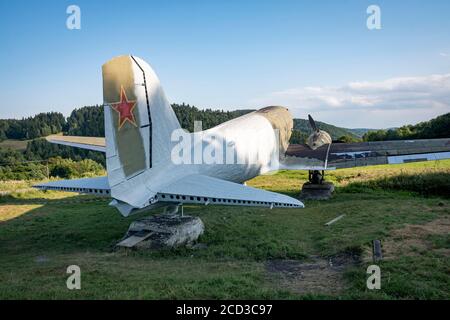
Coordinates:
444 54
431 94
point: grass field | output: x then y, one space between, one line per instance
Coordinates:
246 252
19 145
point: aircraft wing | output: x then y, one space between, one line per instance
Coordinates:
97 186
89 143
347 155
208 190
192 189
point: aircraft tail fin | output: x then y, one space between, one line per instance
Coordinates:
138 119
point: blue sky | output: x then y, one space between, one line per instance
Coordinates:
315 57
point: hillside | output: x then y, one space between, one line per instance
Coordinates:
88 121
438 127
37 126
335 132
360 132
20 140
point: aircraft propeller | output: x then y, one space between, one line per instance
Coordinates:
312 123
319 137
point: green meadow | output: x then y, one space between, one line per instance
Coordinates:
245 253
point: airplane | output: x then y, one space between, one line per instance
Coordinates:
152 162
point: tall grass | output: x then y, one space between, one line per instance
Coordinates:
427 183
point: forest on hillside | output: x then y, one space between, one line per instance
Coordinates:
336 133
88 121
41 159
40 125
438 127
32 163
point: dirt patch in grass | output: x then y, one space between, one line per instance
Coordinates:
416 239
317 275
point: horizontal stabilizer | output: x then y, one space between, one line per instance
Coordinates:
97 186
89 143
200 189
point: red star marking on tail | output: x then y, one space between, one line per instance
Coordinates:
125 109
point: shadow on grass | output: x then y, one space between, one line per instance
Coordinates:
239 240
43 236
39 222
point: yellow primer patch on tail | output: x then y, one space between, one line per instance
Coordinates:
119 95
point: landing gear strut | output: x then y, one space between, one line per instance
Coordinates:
316 177
316 188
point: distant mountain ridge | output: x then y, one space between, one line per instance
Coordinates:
334 131
360 132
